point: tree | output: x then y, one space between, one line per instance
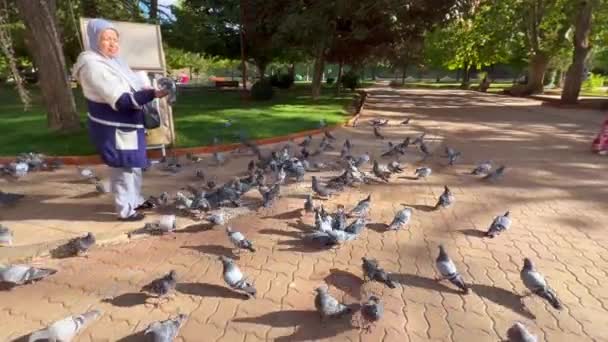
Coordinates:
44 43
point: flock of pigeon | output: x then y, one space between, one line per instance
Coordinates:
268 173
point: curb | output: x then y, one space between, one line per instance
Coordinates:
359 102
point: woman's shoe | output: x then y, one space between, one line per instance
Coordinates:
133 218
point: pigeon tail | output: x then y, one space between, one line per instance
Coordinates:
459 282
551 297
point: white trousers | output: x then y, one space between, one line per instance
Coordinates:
126 187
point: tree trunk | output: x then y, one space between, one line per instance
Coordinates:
536 74
374 72
261 70
574 76
403 73
154 10
466 76
44 43
339 78
317 73
292 71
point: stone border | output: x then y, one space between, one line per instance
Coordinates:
358 103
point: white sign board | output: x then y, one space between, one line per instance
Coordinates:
140 44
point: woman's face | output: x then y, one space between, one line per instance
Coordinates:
108 43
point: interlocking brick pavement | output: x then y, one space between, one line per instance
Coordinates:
555 189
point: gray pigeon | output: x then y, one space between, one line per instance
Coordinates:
328 135
452 155
182 201
483 168
102 187
373 271
362 208
270 195
235 278
371 312
500 224
23 274
446 199
395 167
339 236
200 174
363 159
423 172
339 219
448 270
219 158
419 139
320 238
309 205
402 217
356 227
319 189
216 219
323 222
381 171
168 84
239 241
519 333
328 306
161 287
66 329
165 331
81 245
86 173
536 284
377 133
424 149
7 198
496 174
19 169
306 142
6 236
166 224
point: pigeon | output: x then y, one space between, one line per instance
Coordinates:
323 222
500 224
371 311
161 287
406 121
269 195
306 142
424 148
280 176
328 306
356 227
419 139
373 271
348 144
238 240
377 133
338 236
328 135
200 174
519 333
81 245
6 236
87 173
452 155
320 238
344 152
165 331
165 225
381 171
66 329
496 174
378 122
423 172
235 278
168 84
194 158
446 199
483 168
309 205
182 201
402 217
536 284
19 169
7 198
448 270
395 167
362 208
219 158
319 189
102 187
23 274
216 219
339 219
362 160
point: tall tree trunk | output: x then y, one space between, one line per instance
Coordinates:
292 71
536 73
44 44
466 76
374 72
154 10
339 78
574 76
403 73
317 72
261 69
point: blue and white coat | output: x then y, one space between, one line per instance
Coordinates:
116 117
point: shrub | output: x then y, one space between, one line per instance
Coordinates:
262 90
282 81
330 80
350 80
593 82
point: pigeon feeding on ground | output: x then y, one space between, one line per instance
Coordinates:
19 169
424 148
452 155
373 271
448 270
323 222
395 167
167 330
339 219
269 195
306 142
216 219
80 246
309 205
377 133
381 171
194 158
402 218
15 275
356 227
219 158
87 174
7 198
406 121
519 333
483 168
102 187
499 225
319 189
166 224
419 139
66 329
235 278
328 306
378 122
536 284
328 135
362 208
496 174
6 236
423 172
371 312
239 241
161 287
446 199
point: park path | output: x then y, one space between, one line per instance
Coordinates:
554 188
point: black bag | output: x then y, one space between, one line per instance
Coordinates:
151 115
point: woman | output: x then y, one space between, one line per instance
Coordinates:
600 144
115 96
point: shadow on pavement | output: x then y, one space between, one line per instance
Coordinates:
127 300
503 298
346 282
208 290
422 282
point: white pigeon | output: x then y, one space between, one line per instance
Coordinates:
66 329
23 274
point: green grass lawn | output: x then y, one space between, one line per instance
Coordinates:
199 115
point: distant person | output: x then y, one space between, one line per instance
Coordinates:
600 144
115 96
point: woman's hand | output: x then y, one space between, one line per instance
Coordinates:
161 93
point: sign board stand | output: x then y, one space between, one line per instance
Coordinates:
141 47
